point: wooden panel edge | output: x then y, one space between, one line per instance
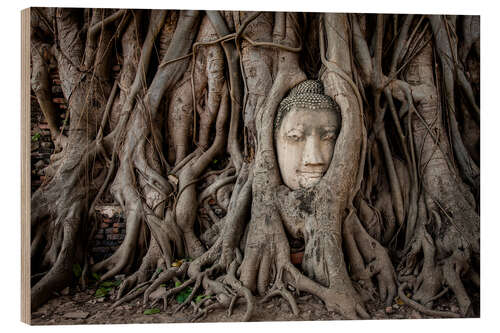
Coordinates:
25 168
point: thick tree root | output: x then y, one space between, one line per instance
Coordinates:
419 307
369 259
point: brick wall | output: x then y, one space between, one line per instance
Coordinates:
111 225
41 142
110 231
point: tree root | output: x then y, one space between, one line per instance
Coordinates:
240 289
280 290
361 249
165 277
419 307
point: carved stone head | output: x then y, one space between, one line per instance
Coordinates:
305 130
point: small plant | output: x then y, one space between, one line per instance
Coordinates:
151 311
184 294
199 298
36 137
102 292
109 284
77 270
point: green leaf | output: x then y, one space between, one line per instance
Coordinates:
200 297
36 137
163 285
215 161
177 283
108 284
159 270
151 311
101 292
77 270
183 295
96 276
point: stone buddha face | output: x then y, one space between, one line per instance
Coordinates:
305 138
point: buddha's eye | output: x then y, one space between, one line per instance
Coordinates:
295 136
328 136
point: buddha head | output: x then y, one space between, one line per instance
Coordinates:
305 131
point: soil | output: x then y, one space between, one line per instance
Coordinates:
83 307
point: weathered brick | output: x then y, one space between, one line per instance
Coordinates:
100 249
58 100
40 156
99 236
46 145
104 225
116 230
56 90
116 236
108 230
39 164
119 225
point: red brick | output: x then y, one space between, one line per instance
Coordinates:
43 126
296 258
58 100
104 225
106 220
116 230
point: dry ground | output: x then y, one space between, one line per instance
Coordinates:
83 307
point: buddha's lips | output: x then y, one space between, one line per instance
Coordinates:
311 174
308 179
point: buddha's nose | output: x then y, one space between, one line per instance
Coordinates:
312 153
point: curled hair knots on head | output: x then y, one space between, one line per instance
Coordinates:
307 87
308 94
